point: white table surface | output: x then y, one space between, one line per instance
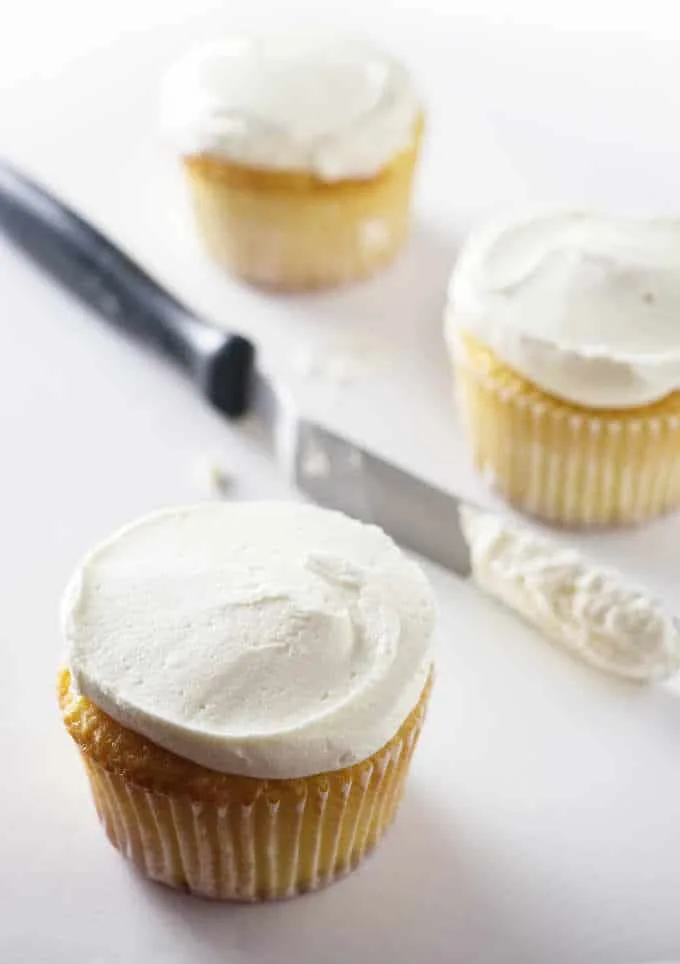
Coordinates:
542 823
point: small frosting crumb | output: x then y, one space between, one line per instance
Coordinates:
213 477
337 363
375 234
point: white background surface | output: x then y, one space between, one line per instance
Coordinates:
543 818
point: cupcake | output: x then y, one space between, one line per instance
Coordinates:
299 156
246 684
564 330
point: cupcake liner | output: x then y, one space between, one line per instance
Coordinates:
562 464
285 837
290 230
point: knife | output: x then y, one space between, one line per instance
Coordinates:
328 468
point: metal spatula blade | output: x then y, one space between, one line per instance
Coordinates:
326 467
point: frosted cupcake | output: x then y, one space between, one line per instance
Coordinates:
299 155
564 331
246 685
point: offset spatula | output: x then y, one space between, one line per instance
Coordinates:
328 468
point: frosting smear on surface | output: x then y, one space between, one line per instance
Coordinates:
265 639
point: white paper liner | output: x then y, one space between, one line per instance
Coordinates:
239 851
333 240
564 467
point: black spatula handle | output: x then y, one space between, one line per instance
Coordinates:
98 273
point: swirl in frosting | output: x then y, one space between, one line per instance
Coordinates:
336 108
586 306
265 639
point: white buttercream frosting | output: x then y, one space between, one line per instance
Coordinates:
591 611
265 639
586 306
336 108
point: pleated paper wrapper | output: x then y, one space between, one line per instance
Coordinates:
290 230
560 463
270 839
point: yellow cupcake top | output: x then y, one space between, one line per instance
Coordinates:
585 305
340 109
264 639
